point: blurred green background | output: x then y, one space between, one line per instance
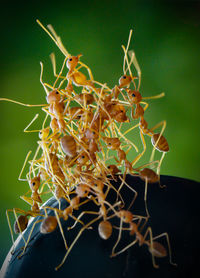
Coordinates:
166 38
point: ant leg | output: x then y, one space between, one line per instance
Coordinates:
26 199
123 136
61 229
135 241
133 127
25 161
10 228
54 37
41 74
29 237
53 61
150 244
88 69
118 239
81 215
125 248
25 129
159 165
125 53
169 247
156 96
75 240
133 190
57 40
145 197
15 214
21 103
141 154
131 54
146 105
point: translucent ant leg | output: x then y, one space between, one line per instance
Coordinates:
131 54
128 64
33 120
21 103
26 199
80 216
75 240
25 162
78 220
136 240
118 239
58 40
61 229
125 248
125 53
141 154
127 131
145 197
123 136
53 61
41 74
59 75
146 105
159 165
133 190
10 228
88 69
55 38
156 96
163 124
147 164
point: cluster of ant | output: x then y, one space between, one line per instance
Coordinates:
74 153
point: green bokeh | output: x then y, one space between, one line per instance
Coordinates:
166 41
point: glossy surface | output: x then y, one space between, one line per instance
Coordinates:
174 209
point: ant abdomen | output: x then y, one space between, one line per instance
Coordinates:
68 145
161 144
48 225
157 250
20 224
105 229
149 174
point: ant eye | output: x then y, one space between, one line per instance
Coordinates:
70 59
108 167
82 156
133 95
124 77
57 92
33 183
122 111
93 132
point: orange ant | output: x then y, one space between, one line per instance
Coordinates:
155 248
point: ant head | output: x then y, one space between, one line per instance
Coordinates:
124 81
72 62
91 134
44 133
53 96
134 96
34 183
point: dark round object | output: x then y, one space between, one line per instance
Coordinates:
173 209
